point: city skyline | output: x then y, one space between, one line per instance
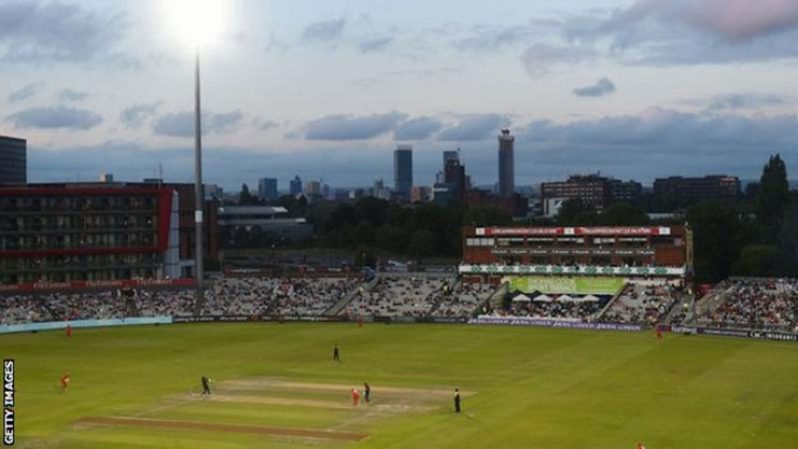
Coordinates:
635 89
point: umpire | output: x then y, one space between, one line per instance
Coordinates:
457 400
206 386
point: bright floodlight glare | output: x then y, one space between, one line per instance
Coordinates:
196 22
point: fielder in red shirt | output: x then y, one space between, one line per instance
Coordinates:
355 396
65 381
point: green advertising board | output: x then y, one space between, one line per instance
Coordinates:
595 285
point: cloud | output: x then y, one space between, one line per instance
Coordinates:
491 38
375 44
25 92
55 117
134 116
274 44
33 31
268 124
740 101
474 127
654 143
731 20
602 87
347 127
539 58
72 95
419 128
660 127
181 124
324 31
668 33
222 122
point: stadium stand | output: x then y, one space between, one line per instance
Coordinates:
23 309
399 296
642 302
241 296
311 296
752 303
463 301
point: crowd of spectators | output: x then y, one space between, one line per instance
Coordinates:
463 301
248 296
755 304
399 297
311 296
16 309
642 303
150 303
23 309
225 297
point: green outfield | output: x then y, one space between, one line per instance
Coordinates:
277 387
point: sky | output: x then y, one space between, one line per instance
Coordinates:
635 89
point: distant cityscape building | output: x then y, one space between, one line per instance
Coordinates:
213 192
379 190
420 194
628 191
514 205
267 188
313 188
452 179
13 160
451 156
683 191
506 164
295 186
593 190
403 170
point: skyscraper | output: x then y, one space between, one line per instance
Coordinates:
506 164
296 185
267 188
403 170
453 178
451 156
13 160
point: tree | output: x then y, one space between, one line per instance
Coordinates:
773 198
424 243
622 214
373 210
486 216
343 214
752 192
570 209
718 235
365 234
245 198
759 260
393 238
788 238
